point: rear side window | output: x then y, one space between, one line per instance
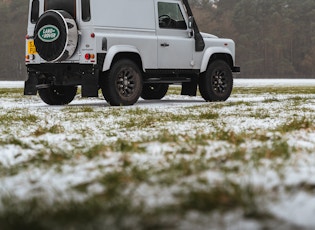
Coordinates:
86 10
66 5
35 11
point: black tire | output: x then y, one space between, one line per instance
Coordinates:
58 95
216 83
103 81
123 85
60 44
154 91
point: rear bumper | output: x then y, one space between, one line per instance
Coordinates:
62 74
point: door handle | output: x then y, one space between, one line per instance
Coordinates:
165 44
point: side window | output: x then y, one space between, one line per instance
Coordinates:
86 10
35 11
170 16
66 5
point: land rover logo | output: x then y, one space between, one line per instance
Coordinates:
48 33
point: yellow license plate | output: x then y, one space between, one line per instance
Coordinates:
31 49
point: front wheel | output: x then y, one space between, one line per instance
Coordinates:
216 83
58 95
123 85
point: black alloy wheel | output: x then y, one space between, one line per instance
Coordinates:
216 83
123 85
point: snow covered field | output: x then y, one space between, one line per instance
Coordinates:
179 163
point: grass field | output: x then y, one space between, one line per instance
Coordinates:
179 163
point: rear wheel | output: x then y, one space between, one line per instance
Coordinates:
58 95
123 84
216 83
154 91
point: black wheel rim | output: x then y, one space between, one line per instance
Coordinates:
219 81
126 82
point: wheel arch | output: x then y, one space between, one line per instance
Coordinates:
116 53
213 54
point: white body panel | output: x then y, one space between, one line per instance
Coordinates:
132 26
135 14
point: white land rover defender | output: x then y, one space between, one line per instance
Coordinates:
128 48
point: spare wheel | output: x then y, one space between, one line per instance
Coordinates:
56 35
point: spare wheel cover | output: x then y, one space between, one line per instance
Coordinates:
56 36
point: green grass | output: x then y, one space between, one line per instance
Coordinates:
296 123
80 109
11 140
224 197
174 90
260 114
203 164
14 116
9 93
54 129
209 115
278 149
275 90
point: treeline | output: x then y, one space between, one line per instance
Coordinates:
13 22
274 38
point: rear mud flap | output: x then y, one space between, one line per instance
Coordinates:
90 85
30 84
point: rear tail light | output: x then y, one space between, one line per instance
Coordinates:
90 57
29 57
87 56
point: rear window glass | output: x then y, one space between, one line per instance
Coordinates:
35 11
66 5
86 10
